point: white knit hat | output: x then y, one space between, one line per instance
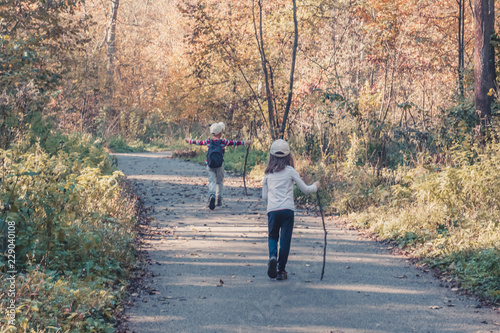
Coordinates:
216 128
280 148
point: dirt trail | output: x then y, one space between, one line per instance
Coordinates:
208 271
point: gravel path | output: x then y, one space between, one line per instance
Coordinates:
208 268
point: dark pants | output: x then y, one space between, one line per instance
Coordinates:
280 222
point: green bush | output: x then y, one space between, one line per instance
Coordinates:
74 233
449 216
119 144
48 302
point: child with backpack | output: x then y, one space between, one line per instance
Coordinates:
277 189
215 161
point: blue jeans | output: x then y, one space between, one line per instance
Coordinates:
280 224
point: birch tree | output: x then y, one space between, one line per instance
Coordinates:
111 46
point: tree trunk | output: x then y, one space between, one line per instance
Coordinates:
269 95
111 44
292 70
484 59
461 46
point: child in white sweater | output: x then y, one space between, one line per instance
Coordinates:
277 189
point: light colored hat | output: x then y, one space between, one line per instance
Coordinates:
280 148
216 128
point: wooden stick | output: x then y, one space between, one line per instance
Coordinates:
245 165
324 228
245 170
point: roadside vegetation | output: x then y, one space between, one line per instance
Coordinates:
74 231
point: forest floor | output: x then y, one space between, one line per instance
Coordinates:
206 270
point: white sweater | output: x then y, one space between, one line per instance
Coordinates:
277 188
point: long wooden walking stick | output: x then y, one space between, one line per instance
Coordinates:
245 164
324 228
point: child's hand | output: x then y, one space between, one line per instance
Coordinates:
248 142
318 185
187 140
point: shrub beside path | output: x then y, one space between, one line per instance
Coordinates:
208 268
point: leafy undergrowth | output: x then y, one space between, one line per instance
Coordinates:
119 144
73 235
449 218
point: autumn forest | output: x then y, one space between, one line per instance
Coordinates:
392 104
